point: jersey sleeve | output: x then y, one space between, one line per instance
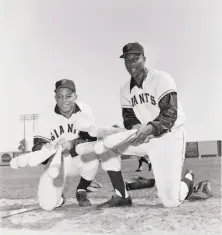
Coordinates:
124 100
86 114
41 136
166 85
128 114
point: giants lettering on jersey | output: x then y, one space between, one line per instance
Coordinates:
57 133
143 98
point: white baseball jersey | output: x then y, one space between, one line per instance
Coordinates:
144 100
51 130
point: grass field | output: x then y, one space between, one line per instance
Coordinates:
18 189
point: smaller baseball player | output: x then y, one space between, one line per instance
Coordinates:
62 130
146 160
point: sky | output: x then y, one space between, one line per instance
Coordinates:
43 41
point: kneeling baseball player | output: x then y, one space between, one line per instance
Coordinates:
61 130
150 104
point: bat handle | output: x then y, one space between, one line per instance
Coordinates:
55 165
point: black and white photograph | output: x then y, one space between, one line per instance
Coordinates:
111 117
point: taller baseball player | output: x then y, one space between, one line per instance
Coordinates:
149 102
63 130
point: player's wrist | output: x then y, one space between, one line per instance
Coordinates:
152 128
69 145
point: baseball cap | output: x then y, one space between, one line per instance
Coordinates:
134 48
65 83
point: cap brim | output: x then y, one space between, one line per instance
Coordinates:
131 52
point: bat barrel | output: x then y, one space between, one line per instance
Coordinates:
13 163
85 148
53 171
114 140
55 165
22 161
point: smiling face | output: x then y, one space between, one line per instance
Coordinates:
135 64
65 99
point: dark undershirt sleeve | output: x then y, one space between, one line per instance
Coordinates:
38 142
129 118
168 114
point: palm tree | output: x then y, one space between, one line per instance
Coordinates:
22 145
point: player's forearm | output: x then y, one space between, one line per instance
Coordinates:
129 118
168 114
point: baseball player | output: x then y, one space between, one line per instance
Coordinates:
150 104
146 160
62 130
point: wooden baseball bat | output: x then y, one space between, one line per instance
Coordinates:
114 140
37 157
85 148
55 165
97 131
13 163
19 211
127 149
31 159
22 161
99 147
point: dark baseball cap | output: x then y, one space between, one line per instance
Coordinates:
65 83
134 48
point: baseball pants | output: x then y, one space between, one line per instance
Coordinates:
167 155
50 190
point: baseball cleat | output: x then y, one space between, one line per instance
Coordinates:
138 170
92 189
203 187
82 198
140 183
149 167
189 182
116 201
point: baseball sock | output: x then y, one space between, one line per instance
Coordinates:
140 164
83 184
144 160
118 183
185 185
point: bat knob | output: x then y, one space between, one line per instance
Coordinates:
53 171
80 149
22 161
93 131
13 163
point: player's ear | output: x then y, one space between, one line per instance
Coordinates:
144 58
76 96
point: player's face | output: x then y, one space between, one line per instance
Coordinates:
65 99
134 64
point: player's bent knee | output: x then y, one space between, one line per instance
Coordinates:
90 169
112 164
47 201
171 203
48 194
48 206
169 200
